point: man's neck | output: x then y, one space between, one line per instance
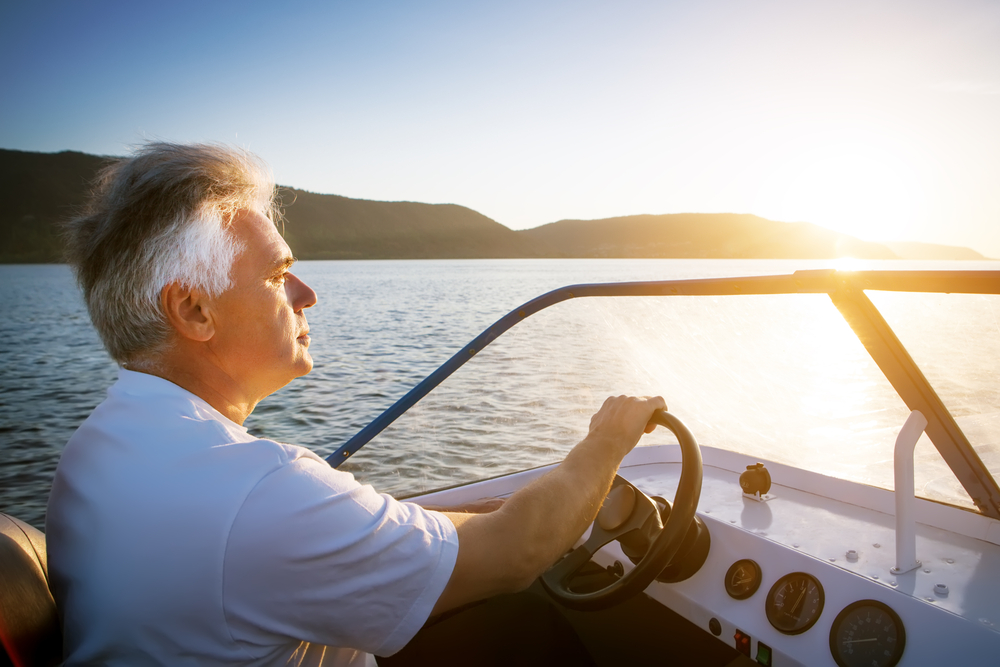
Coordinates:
206 381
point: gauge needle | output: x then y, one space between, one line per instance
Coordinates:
798 600
860 641
740 582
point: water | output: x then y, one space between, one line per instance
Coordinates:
378 329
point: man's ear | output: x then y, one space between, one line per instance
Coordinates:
188 312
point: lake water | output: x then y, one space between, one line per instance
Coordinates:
382 326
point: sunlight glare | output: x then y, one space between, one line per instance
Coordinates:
849 264
854 183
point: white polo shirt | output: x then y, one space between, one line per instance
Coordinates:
176 537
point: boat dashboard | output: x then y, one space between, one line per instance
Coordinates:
804 574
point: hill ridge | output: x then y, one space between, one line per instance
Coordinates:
42 189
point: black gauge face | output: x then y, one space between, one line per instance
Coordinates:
867 633
794 603
743 579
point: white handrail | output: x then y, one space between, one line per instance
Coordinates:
906 523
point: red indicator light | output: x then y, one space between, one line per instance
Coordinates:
742 642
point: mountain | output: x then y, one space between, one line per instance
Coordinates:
910 250
701 235
39 190
333 227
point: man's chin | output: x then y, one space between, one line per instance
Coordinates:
305 364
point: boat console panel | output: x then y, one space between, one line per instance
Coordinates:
825 593
803 574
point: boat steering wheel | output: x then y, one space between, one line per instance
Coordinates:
665 539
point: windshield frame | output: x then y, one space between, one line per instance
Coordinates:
846 289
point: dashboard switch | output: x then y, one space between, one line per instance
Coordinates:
742 642
763 654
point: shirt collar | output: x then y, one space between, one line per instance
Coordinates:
136 383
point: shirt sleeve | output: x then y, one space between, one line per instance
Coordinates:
315 556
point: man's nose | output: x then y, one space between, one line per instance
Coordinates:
302 296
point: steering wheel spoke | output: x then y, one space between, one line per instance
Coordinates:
640 514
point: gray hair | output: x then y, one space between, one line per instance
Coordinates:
160 217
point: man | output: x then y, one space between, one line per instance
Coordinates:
174 535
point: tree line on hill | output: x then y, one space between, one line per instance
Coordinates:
40 190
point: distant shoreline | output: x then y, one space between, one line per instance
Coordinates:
44 189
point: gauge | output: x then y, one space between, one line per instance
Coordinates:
794 603
742 579
867 633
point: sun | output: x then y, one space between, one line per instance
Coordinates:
859 185
849 264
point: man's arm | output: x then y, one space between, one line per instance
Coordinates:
505 550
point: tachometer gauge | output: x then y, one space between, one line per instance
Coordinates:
867 633
794 603
743 579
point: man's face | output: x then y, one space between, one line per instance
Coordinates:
261 336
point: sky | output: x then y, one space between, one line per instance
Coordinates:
879 119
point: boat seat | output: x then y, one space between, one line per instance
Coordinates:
29 623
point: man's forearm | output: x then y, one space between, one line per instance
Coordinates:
531 531
505 550
550 514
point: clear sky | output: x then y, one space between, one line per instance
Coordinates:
880 119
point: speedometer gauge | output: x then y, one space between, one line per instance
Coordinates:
794 603
867 633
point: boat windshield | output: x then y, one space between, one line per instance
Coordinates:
955 340
778 377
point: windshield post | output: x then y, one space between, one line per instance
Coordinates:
911 385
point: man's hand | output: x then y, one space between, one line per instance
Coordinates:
622 420
481 506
